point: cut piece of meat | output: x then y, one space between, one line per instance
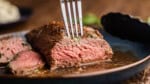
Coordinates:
69 53
10 46
26 63
62 52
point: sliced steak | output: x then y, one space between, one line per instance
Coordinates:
26 63
10 46
62 52
69 53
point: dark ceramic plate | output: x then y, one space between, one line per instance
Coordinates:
114 75
25 14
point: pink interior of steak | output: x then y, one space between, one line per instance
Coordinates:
68 53
26 62
10 46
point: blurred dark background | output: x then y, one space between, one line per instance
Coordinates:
46 10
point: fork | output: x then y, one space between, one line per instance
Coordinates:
72 12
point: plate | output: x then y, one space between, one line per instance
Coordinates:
25 13
114 75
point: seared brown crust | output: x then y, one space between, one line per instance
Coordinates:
46 36
92 33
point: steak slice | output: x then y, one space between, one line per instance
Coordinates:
10 46
69 53
62 52
26 63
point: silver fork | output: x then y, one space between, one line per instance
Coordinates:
71 12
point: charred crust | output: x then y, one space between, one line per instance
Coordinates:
47 36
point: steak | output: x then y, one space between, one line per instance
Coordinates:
10 46
26 63
61 51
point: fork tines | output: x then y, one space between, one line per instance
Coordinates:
72 12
